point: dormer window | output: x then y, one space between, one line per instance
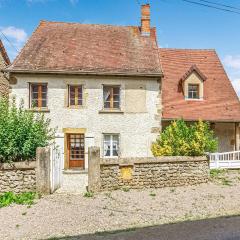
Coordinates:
192 84
193 91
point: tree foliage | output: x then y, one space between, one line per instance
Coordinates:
21 132
179 139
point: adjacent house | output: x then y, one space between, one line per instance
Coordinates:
112 87
195 86
4 62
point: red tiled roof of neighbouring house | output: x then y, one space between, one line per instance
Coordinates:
220 102
4 53
89 48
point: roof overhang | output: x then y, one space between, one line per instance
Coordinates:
66 72
206 120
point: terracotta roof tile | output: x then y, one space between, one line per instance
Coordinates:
220 101
89 48
4 53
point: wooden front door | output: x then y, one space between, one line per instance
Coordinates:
76 150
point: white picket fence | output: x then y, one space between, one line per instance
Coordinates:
225 160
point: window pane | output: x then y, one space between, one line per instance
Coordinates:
107 105
44 103
116 105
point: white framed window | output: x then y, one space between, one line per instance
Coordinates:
193 91
111 145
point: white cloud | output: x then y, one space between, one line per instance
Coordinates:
16 34
232 61
236 85
13 39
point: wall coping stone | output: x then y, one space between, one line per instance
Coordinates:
18 165
149 160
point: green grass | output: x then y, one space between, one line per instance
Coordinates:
88 194
8 198
125 189
152 194
214 173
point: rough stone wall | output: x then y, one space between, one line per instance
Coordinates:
4 85
154 174
17 180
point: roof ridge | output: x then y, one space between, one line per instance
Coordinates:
89 24
190 49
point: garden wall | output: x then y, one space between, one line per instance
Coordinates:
146 172
27 176
18 177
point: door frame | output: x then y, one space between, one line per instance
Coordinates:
66 132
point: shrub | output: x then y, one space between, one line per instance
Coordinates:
178 139
21 198
21 132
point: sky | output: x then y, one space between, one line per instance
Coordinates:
179 24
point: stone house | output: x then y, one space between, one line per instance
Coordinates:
4 62
112 87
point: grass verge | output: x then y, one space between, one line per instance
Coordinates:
9 198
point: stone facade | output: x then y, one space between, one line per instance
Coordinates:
139 103
18 177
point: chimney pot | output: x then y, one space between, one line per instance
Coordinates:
145 20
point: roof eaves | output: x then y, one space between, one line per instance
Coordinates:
9 70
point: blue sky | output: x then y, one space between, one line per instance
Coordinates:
179 24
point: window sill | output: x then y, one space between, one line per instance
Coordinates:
111 111
194 99
38 110
76 107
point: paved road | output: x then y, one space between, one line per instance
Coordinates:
227 228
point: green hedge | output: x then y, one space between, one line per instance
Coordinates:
21 132
179 139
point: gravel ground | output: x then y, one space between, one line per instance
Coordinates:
61 215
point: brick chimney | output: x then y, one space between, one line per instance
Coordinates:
145 20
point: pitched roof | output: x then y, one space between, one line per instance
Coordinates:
220 101
4 53
88 48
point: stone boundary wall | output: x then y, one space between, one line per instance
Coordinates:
140 173
18 177
27 176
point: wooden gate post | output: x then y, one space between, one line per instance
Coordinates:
94 179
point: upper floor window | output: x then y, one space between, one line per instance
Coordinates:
193 91
38 95
111 145
111 97
75 95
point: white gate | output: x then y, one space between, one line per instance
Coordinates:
56 159
225 160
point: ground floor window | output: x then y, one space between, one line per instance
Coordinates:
111 145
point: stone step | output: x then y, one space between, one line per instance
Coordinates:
75 171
